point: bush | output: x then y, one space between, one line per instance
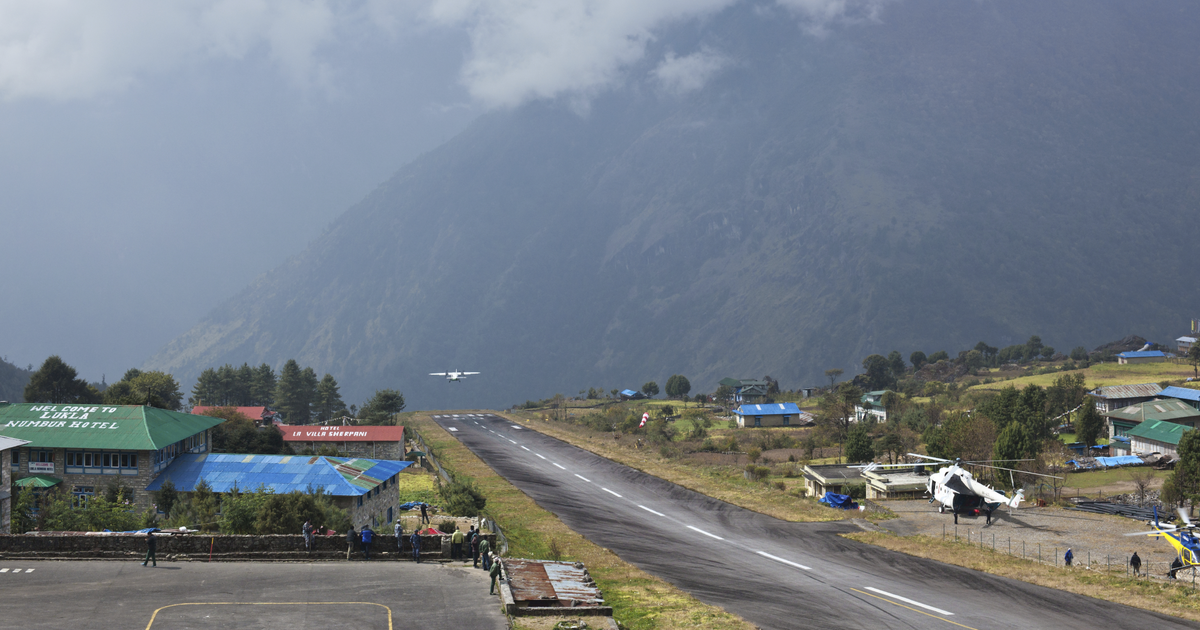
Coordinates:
708 446
753 454
462 498
758 473
447 526
779 485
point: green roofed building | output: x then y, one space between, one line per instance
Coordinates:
1156 436
1122 420
87 447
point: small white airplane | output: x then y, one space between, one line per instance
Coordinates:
452 377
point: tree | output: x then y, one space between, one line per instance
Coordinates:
329 399
837 411
940 355
1065 394
1193 356
833 374
917 359
678 386
154 389
262 386
896 365
58 383
858 445
167 496
650 389
1047 352
1079 353
1184 483
724 395
293 396
878 374
1033 347
382 406
1089 423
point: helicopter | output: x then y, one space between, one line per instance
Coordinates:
453 377
1182 538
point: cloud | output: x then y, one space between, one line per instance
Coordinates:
534 49
63 49
685 74
820 13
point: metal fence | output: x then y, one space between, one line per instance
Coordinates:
1054 555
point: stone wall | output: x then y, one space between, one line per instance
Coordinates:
198 546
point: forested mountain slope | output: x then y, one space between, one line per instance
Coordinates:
950 173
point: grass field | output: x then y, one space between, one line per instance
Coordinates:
417 486
1175 599
1103 374
639 600
1107 478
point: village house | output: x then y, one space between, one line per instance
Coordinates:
1119 396
7 445
1121 421
83 448
1157 436
746 390
1185 394
871 404
896 483
1141 356
365 488
375 442
772 415
1184 345
836 478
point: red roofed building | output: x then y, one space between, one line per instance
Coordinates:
260 415
375 442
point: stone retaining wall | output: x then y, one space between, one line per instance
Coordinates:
223 547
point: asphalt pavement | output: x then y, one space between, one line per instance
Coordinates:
773 573
57 594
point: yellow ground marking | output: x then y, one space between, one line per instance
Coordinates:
911 608
155 614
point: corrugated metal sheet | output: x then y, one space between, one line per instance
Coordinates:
342 434
1182 393
1159 431
773 409
115 427
335 476
9 442
1156 410
1140 390
546 583
1142 354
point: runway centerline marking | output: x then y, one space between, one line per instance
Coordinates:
909 601
884 599
526 448
697 529
652 511
583 478
788 562
513 441
556 464
540 455
612 493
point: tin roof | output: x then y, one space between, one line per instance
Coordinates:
7 443
1187 339
1160 431
1155 410
1182 393
292 433
37 481
118 427
773 409
1140 390
1142 354
280 473
835 472
551 583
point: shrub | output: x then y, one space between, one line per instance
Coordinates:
708 446
779 485
753 454
447 526
757 473
462 498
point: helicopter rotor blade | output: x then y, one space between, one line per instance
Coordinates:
1183 515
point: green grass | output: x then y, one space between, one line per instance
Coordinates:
1103 374
1100 478
417 486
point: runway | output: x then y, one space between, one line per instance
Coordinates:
773 573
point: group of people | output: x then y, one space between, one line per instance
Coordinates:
1135 563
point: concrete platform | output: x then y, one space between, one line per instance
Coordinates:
318 595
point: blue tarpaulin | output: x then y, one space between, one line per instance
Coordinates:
840 501
412 505
1120 460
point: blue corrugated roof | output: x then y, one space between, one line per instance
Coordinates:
773 409
280 473
629 392
1141 354
1182 393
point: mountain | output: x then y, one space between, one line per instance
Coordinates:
948 173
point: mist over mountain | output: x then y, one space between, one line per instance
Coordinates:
773 200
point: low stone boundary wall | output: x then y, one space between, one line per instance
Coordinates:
222 547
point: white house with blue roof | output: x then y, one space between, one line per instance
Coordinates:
1142 356
772 415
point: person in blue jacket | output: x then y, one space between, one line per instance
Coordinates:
1068 557
415 539
367 536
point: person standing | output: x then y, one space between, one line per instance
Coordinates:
1068 557
424 514
475 550
1135 563
484 552
307 530
456 542
367 536
415 540
494 572
1176 565
151 546
399 529
351 540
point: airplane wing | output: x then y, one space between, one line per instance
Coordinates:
466 373
438 374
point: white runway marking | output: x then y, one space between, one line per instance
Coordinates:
612 493
697 529
540 455
516 427
909 601
651 511
788 562
513 441
583 478
525 447
556 464
451 429
29 570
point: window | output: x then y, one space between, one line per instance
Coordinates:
360 500
16 458
758 421
82 493
787 421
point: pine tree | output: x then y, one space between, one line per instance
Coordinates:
329 399
291 396
56 382
1089 423
262 388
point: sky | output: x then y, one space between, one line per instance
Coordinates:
156 157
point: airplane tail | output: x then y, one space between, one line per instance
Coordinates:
1017 499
